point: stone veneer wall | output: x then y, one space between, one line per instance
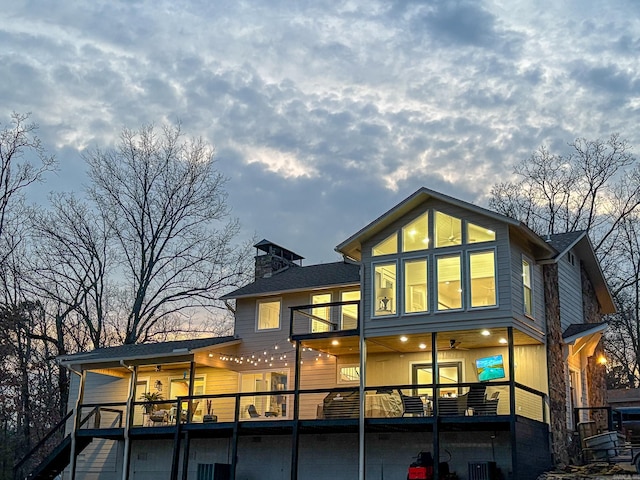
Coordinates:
555 367
596 374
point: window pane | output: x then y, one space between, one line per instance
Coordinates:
349 312
388 246
415 235
477 234
348 374
321 322
385 289
448 230
269 315
415 286
526 286
449 285
483 281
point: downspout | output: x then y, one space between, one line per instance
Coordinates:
129 414
76 419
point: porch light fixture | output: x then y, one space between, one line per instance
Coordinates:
335 342
602 360
403 339
485 333
422 346
502 341
158 385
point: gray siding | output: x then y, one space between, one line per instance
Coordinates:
537 320
570 286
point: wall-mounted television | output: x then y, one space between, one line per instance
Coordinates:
490 368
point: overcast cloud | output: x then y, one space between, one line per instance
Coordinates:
326 114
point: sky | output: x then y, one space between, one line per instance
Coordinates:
323 114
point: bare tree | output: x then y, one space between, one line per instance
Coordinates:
595 187
69 264
23 161
166 205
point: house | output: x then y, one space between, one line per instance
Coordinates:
447 328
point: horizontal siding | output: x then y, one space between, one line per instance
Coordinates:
537 322
570 286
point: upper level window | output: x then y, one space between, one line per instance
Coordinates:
415 235
268 315
415 286
385 289
321 316
477 234
482 278
448 230
449 282
388 246
526 286
349 313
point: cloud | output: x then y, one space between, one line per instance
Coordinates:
325 115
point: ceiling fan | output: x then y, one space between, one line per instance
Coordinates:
453 345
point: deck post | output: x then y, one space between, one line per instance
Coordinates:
295 434
76 421
234 439
127 425
512 404
361 416
185 454
175 463
436 393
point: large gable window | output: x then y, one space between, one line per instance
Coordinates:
415 286
415 235
482 278
436 262
268 315
385 289
449 282
448 230
388 246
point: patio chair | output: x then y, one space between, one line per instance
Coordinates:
476 397
160 416
251 410
411 405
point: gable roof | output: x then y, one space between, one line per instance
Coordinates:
301 278
563 242
580 242
351 246
143 350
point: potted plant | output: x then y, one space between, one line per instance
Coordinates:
209 417
148 398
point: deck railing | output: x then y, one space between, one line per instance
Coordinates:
381 401
324 318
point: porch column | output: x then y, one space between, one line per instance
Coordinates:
361 433
76 422
512 404
295 435
128 420
436 393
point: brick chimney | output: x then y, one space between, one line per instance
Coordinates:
272 258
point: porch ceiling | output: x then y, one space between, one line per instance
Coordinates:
461 340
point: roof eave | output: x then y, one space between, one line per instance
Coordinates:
292 290
350 247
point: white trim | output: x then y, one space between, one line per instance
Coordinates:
257 314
